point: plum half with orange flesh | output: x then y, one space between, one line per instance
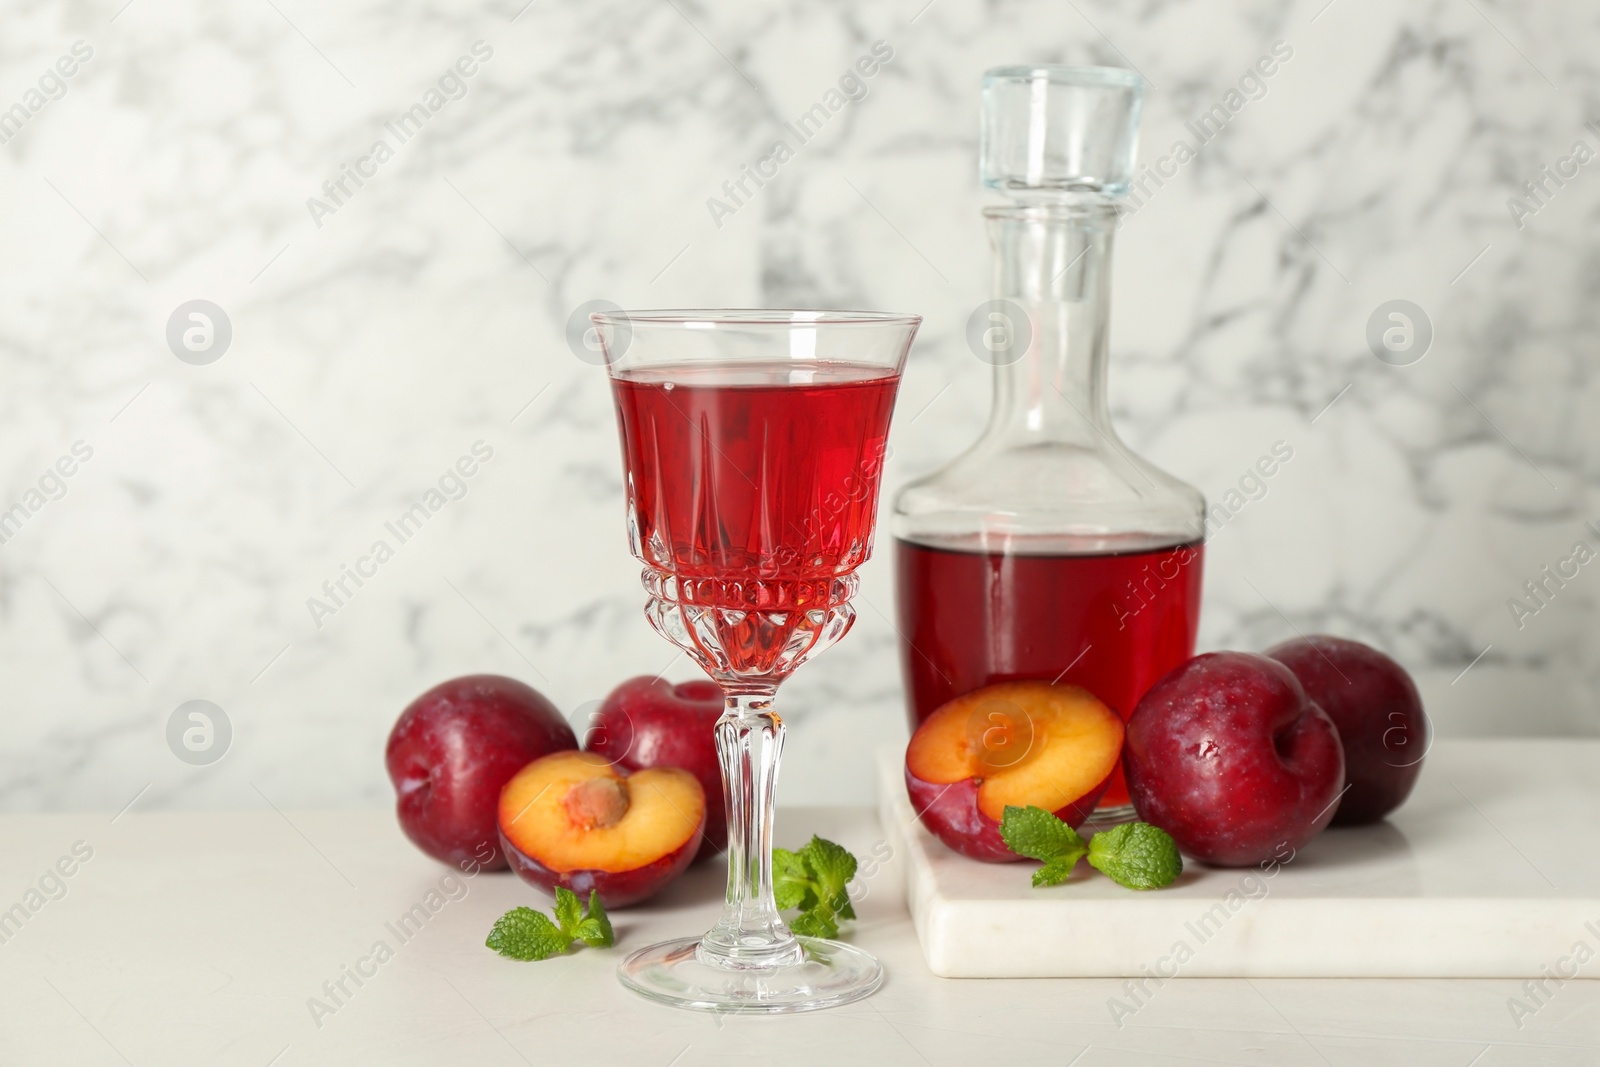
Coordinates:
1014 743
574 819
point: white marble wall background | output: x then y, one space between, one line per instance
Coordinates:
428 314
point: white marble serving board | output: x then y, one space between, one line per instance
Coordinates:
1489 870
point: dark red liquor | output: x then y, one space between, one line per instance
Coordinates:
1104 614
752 487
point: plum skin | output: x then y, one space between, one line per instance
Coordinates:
454 748
617 889
1376 706
951 813
1228 755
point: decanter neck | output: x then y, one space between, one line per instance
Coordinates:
1053 260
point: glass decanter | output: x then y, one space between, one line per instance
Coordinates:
1048 550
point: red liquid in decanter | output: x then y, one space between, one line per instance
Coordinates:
1112 620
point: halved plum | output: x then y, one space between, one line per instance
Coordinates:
574 819
1014 743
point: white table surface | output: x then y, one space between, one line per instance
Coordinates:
199 938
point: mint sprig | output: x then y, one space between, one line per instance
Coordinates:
815 880
525 934
1136 855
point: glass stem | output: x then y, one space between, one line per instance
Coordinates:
750 933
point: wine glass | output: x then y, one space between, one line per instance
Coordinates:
752 446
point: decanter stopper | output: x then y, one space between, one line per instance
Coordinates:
1050 132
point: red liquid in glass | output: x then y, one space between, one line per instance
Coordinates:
1112 622
755 486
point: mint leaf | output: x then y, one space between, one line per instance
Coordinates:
595 927
595 934
525 934
792 884
1136 855
568 910
833 866
1056 871
1038 835
818 922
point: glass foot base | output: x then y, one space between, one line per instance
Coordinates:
833 973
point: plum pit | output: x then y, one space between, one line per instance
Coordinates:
597 803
